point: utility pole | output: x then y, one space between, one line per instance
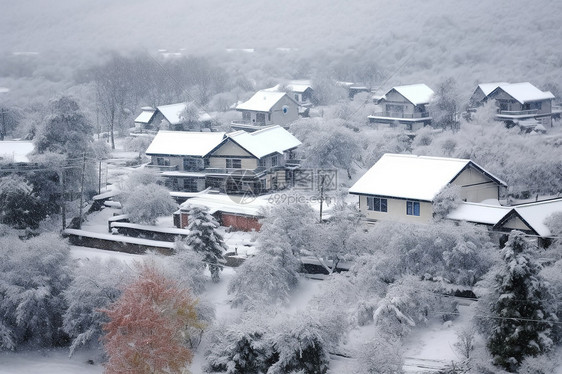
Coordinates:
3 129
99 179
82 189
321 195
63 201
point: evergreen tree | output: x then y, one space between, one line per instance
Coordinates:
524 320
204 238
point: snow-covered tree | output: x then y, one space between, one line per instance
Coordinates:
266 278
19 205
95 285
149 325
334 240
522 311
300 347
243 347
409 302
204 238
446 201
381 355
147 202
188 267
33 276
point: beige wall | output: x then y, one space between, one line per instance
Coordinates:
396 211
394 97
277 115
515 223
229 148
220 162
475 186
232 150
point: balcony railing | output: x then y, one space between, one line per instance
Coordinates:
528 112
402 115
163 167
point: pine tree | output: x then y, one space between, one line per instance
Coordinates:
204 238
149 325
524 320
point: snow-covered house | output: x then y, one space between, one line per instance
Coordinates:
267 108
230 211
300 90
519 104
529 218
402 188
404 105
170 117
230 162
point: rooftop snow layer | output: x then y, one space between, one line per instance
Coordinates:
262 101
266 141
415 93
228 204
479 213
536 213
487 88
15 150
525 92
145 116
184 143
172 113
410 176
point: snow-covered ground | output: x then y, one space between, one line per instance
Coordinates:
431 346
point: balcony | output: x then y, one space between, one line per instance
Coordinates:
529 112
402 115
163 167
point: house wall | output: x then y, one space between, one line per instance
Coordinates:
475 186
232 150
397 211
394 98
477 97
280 118
515 223
242 223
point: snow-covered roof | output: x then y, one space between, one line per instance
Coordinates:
228 204
525 92
15 150
415 93
146 115
487 88
479 213
411 177
184 143
172 113
265 141
262 101
535 214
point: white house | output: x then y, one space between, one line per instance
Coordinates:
235 162
405 106
267 108
529 218
402 187
519 104
170 117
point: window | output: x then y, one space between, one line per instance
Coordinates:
274 161
191 164
190 184
233 163
377 204
261 162
413 208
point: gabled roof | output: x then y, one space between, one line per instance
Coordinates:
263 101
479 213
415 93
524 92
15 150
172 113
227 204
298 86
272 139
412 177
146 115
184 143
534 214
487 88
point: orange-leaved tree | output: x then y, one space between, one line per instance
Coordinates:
149 326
